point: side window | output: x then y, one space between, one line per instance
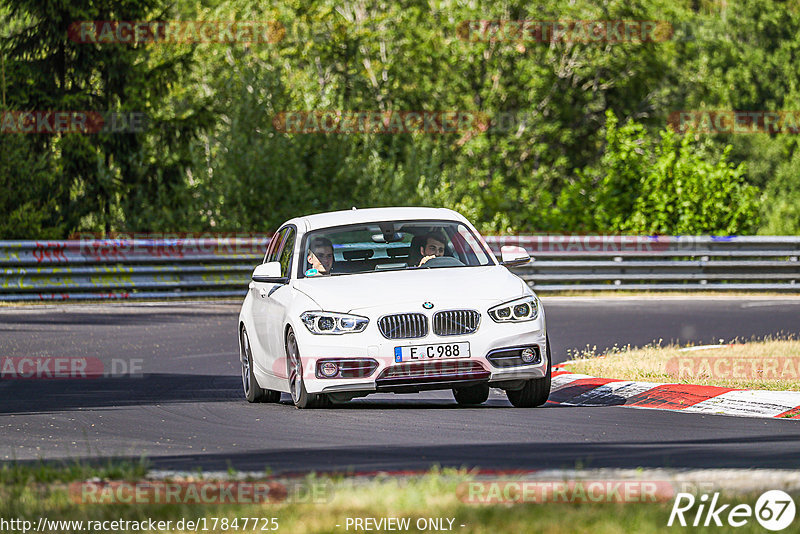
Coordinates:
285 255
274 244
467 246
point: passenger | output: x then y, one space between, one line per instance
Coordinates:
320 257
433 248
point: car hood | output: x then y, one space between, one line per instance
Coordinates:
409 289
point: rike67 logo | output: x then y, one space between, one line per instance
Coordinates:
774 510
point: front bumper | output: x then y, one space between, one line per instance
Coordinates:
446 373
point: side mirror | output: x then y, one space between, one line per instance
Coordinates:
511 256
268 272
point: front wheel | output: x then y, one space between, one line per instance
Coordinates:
300 397
471 395
252 391
536 391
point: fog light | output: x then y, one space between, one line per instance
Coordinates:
527 355
329 369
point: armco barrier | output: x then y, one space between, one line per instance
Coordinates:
221 267
128 268
727 263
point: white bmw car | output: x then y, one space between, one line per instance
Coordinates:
396 300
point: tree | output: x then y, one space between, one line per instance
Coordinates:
104 181
671 185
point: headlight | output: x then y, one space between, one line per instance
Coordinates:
319 322
524 309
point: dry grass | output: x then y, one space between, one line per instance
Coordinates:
31 492
772 364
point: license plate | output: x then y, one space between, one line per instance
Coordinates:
431 352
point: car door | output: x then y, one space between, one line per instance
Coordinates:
275 298
260 306
277 304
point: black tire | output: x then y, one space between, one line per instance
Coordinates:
252 391
294 370
536 391
472 395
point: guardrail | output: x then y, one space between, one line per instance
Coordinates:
128 268
221 267
729 263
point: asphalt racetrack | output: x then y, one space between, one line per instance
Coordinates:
187 410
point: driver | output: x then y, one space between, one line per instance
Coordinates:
320 257
433 248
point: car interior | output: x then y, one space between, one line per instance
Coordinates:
392 249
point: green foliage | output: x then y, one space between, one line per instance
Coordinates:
212 159
602 199
782 198
104 181
676 185
28 192
26 474
687 192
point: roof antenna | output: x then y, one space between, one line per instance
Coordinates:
354 208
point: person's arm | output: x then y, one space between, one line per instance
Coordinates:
425 259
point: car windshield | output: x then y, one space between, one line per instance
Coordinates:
391 246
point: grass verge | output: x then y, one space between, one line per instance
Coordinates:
771 364
33 492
